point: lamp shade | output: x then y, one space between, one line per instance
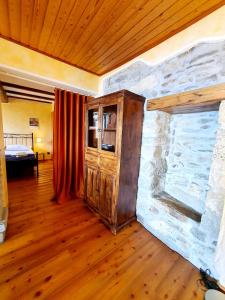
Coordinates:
39 140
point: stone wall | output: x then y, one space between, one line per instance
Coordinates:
200 66
192 139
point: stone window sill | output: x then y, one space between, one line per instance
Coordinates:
172 203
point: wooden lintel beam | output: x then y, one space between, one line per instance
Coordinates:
191 101
3 96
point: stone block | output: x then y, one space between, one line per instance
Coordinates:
3 222
222 114
202 57
200 235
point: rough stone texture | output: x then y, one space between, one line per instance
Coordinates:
200 66
3 222
192 139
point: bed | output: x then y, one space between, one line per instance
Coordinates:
19 154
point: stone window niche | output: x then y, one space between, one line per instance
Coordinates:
181 187
194 240
189 143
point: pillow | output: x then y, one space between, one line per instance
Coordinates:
16 147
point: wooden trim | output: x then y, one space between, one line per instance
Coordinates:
204 99
89 99
118 94
4 97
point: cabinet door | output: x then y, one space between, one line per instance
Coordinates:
92 130
107 191
92 186
109 114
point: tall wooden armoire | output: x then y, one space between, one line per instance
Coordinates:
112 156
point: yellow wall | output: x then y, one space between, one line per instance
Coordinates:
209 28
24 59
16 114
3 181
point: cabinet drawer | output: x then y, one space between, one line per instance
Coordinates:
110 165
93 159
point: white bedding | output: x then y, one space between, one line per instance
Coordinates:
18 150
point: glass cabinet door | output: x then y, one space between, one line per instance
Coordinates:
92 127
109 127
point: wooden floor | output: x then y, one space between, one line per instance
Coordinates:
63 252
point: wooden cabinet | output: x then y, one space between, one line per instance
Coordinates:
112 155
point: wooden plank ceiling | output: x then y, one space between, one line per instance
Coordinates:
98 35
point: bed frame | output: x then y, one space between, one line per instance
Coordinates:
22 139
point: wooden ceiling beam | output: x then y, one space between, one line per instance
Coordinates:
27 92
28 95
30 99
204 99
3 96
32 90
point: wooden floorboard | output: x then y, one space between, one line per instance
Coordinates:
64 252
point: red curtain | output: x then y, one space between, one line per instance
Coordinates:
68 145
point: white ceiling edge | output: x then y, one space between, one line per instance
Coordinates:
27 79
